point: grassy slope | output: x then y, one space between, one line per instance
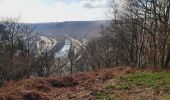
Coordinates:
144 86
108 84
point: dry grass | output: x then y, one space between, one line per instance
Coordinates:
80 86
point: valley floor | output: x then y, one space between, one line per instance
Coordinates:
108 84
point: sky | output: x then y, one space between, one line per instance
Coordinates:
36 11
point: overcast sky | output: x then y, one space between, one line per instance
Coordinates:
54 10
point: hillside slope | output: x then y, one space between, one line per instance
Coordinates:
89 28
108 84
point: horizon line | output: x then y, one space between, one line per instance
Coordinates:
63 21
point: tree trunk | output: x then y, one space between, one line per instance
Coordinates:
167 58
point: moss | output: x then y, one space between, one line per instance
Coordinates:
122 86
153 80
101 96
164 97
110 87
105 96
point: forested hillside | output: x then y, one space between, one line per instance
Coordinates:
124 58
88 29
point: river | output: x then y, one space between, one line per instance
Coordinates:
64 50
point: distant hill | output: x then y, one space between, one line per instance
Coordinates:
81 28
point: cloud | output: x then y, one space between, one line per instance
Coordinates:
55 10
95 4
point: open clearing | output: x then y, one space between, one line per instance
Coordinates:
108 84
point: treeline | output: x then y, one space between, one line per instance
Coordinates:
18 52
137 36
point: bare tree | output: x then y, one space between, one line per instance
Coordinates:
72 56
137 36
17 49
